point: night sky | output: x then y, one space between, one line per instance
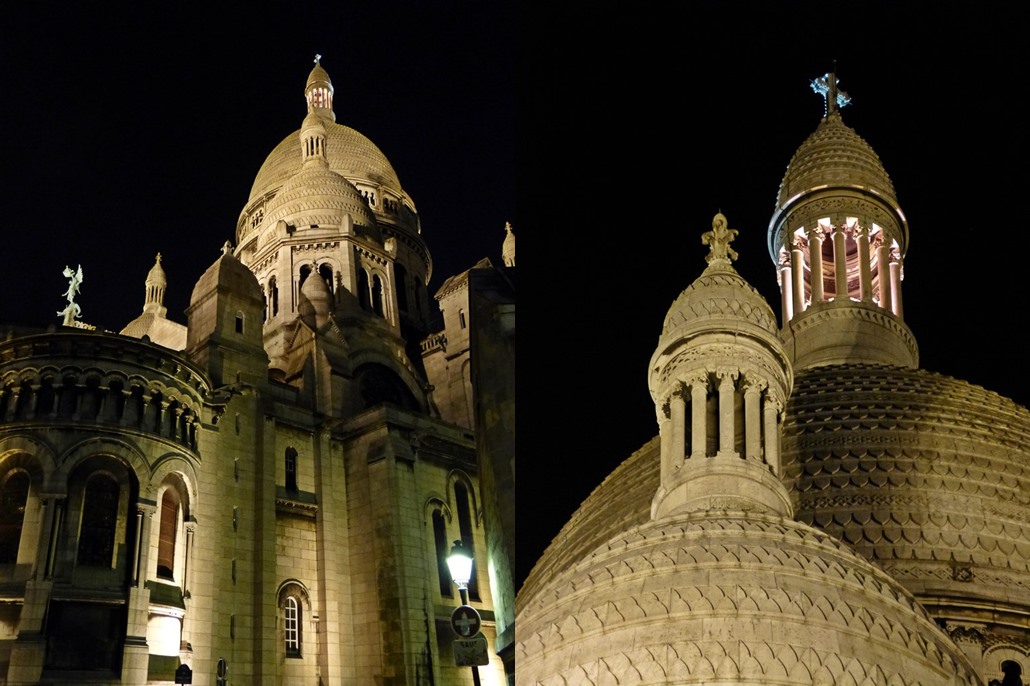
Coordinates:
656 119
130 129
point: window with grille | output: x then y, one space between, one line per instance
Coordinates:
291 624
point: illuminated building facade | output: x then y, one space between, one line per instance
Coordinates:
264 494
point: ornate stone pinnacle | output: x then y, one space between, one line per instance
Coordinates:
718 241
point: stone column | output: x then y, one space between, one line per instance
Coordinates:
797 260
752 419
883 260
840 262
12 404
771 413
865 274
896 288
677 414
665 432
698 423
815 258
786 290
136 656
726 428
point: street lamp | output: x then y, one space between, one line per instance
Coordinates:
465 620
459 562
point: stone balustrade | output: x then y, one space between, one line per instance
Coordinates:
77 377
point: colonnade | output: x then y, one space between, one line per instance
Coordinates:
883 289
752 434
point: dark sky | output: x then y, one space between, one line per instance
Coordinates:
136 128
644 125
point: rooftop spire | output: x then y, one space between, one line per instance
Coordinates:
826 86
319 91
156 283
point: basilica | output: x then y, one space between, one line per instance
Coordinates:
266 492
816 508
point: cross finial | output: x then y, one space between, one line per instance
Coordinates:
317 57
826 86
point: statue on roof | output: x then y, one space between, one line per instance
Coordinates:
72 310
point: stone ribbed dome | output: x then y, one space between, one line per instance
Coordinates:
835 156
317 196
923 473
719 294
349 153
713 598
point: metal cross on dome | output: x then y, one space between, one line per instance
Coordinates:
317 57
826 86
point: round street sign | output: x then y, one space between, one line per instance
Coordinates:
465 621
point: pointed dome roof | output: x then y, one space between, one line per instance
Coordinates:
720 294
834 155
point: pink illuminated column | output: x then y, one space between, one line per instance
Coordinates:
815 257
797 258
865 275
840 262
786 288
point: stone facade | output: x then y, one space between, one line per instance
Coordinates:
263 494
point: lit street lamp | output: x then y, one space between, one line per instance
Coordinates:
465 619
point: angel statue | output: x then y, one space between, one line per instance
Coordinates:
74 282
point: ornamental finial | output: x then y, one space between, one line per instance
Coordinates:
826 86
718 241
317 58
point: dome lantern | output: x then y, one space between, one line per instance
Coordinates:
318 92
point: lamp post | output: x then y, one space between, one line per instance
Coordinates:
465 617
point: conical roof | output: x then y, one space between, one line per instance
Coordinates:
835 156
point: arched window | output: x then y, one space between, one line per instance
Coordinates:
99 521
291 469
273 296
443 572
461 500
14 492
305 272
168 534
291 625
326 272
377 295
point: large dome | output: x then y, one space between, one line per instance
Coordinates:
349 153
716 598
318 196
922 473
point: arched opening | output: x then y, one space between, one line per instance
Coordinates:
168 534
14 493
99 521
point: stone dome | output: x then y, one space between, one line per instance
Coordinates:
316 196
348 152
922 473
716 598
835 156
719 294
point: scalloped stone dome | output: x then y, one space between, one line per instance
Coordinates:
316 196
349 153
949 460
834 155
728 597
720 293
